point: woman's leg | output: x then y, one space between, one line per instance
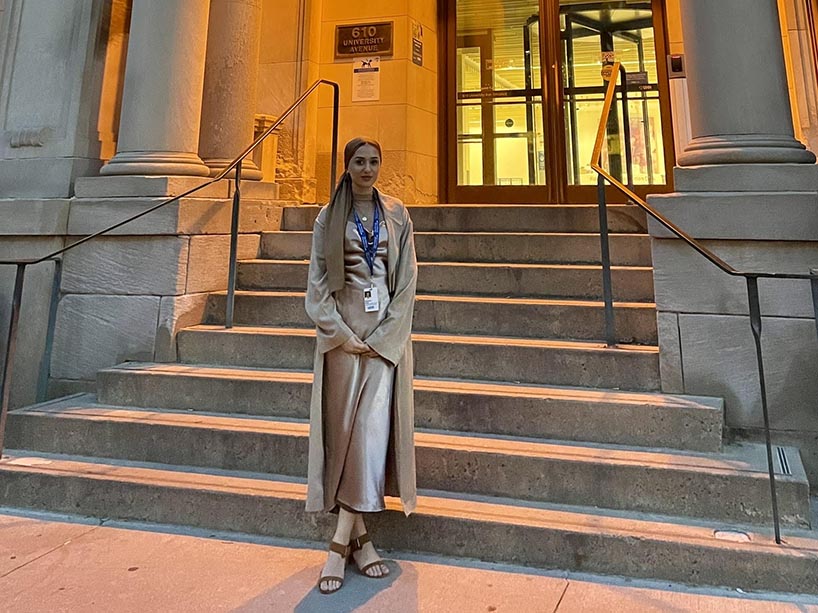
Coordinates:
336 564
367 557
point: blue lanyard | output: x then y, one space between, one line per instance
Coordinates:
370 247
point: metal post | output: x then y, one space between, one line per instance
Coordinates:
8 362
234 249
336 105
626 122
814 283
529 99
607 283
755 323
45 365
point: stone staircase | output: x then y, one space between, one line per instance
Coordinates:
536 443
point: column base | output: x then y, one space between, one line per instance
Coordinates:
249 170
156 163
44 177
745 149
147 186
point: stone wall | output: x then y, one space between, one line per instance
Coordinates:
30 228
404 120
767 222
125 296
748 189
50 91
287 66
51 83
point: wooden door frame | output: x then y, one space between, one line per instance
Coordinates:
556 189
447 118
583 194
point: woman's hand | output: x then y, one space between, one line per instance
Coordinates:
370 352
355 345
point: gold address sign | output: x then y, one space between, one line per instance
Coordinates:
365 39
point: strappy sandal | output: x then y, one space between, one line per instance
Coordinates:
344 552
357 544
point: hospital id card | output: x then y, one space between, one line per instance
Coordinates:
371 302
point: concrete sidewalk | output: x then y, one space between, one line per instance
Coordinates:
56 563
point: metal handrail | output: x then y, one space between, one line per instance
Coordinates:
55 256
751 277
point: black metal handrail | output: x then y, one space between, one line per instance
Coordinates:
751 277
23 264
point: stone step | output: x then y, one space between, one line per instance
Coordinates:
517 317
731 486
559 413
622 218
519 247
630 283
580 363
496 530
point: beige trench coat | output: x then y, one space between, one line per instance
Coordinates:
391 339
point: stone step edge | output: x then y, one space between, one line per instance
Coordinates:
800 547
594 267
441 385
455 505
457 339
496 205
83 408
565 302
484 233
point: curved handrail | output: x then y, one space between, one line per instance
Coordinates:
596 165
23 264
229 168
751 278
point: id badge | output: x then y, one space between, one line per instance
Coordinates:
371 303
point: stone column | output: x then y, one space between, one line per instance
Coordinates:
231 75
162 96
739 105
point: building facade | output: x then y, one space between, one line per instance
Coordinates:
110 105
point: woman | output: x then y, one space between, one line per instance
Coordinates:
361 295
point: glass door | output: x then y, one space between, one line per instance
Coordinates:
525 94
500 151
591 34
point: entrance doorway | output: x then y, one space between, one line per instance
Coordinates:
524 95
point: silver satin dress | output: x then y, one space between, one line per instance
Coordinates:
358 390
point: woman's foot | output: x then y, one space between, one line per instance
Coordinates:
332 576
367 558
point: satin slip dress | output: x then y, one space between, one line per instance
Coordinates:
358 390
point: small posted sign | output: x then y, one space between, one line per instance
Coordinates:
366 79
417 43
607 58
369 39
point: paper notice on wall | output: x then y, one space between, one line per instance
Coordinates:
366 79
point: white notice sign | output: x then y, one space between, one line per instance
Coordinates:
366 79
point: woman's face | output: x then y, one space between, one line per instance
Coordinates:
364 167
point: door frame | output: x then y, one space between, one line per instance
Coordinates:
556 189
447 119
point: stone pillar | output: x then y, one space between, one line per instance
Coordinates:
53 59
747 190
162 96
737 81
231 75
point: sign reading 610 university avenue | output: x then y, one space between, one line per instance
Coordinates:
367 39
